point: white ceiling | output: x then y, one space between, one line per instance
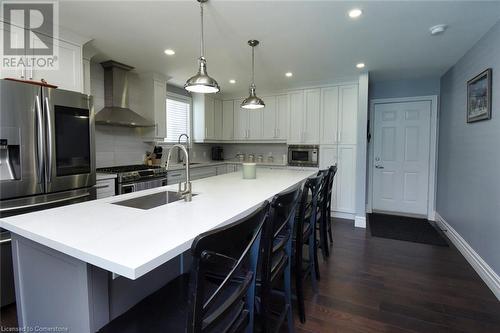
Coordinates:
315 40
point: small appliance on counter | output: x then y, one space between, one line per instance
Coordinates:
217 153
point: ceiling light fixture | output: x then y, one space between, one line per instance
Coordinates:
360 65
232 81
252 101
355 13
288 74
169 52
438 29
201 82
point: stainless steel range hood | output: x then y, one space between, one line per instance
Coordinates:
116 109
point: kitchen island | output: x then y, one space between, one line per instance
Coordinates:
66 258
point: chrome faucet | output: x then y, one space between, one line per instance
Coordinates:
179 159
184 189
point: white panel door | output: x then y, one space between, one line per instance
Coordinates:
217 119
348 111
269 119
329 115
240 121
401 157
227 120
297 115
281 116
311 129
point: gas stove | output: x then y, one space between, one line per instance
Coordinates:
135 173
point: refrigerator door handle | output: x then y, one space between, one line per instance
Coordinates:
50 136
38 204
39 139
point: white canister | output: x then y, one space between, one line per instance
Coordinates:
249 170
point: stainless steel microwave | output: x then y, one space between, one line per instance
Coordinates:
303 155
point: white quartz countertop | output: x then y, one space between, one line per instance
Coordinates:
130 241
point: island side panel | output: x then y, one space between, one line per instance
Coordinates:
55 290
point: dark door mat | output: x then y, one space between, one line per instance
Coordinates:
405 228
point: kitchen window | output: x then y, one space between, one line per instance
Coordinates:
178 117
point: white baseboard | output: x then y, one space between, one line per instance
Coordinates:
342 215
486 273
360 221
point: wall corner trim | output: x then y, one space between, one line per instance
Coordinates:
360 221
486 273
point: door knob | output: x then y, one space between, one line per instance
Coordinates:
379 167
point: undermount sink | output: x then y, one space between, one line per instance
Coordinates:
151 200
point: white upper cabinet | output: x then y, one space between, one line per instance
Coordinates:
154 103
274 118
69 72
269 124
207 118
329 115
339 108
311 129
69 75
240 121
217 119
227 120
282 105
348 111
296 128
304 117
254 125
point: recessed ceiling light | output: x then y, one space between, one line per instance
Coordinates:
354 13
289 74
232 81
169 52
438 29
360 65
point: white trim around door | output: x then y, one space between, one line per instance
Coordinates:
432 151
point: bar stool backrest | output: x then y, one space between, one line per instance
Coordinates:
232 250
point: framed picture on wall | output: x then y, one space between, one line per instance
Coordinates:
479 97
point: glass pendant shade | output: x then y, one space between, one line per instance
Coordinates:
201 82
253 102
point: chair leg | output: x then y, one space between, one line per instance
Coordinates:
288 287
299 290
330 235
313 260
324 237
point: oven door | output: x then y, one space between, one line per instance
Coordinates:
140 186
70 149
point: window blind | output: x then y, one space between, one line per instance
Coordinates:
177 119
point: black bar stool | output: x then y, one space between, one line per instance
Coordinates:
195 302
305 236
332 171
321 214
274 306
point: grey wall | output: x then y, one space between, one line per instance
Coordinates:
468 182
404 88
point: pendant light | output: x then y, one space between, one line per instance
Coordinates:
201 82
252 101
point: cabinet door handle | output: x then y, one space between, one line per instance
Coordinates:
31 72
23 72
102 186
340 135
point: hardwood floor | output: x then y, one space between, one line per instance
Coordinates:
376 285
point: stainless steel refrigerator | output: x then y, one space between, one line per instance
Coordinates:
47 152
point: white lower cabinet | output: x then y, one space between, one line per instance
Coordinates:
105 188
343 196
